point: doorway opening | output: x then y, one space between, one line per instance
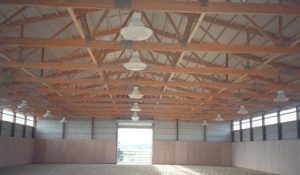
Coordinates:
135 146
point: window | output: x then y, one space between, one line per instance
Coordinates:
245 123
8 115
236 125
20 118
256 121
288 115
271 119
30 121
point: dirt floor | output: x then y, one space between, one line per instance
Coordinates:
95 169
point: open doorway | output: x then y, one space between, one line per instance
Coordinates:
135 146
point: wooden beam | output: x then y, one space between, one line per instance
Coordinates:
166 69
12 16
216 85
80 43
81 99
172 6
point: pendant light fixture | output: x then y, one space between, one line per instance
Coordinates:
135 108
136 31
135 63
204 123
48 114
135 93
219 118
280 97
63 120
242 110
23 105
135 117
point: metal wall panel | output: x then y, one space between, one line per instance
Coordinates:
6 128
104 129
18 130
289 130
272 132
236 136
28 132
76 129
257 134
218 132
246 135
164 130
48 129
190 131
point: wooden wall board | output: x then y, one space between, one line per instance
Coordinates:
226 154
74 151
169 152
39 151
99 151
277 156
181 153
15 151
192 153
87 151
110 151
158 152
202 153
213 154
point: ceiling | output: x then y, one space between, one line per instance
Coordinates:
204 58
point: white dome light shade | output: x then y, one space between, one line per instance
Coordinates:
281 97
135 93
135 63
48 114
136 108
64 120
219 118
23 105
135 117
136 31
242 110
204 123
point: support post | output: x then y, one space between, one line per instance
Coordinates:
241 131
251 129
63 134
34 127
177 130
13 125
24 127
298 121
92 129
232 131
279 125
264 131
1 120
205 129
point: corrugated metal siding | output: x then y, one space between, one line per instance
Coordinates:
28 132
257 134
6 128
272 132
289 130
78 130
48 129
246 135
164 130
18 130
105 129
190 131
236 136
218 132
